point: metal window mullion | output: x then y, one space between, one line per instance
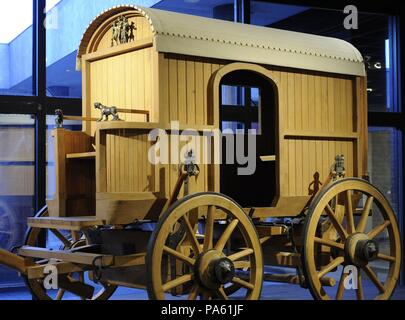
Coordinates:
39 88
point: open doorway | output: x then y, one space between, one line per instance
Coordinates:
248 101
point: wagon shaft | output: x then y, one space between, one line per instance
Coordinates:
13 261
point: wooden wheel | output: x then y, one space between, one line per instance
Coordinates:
363 250
220 248
62 240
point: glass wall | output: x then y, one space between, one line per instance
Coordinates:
16 47
375 38
17 174
384 158
66 21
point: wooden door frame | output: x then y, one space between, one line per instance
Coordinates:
214 104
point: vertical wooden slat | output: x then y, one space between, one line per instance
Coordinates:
297 102
331 105
163 89
173 91
182 91
318 106
207 75
290 102
283 118
338 107
199 93
324 104
305 107
149 89
191 93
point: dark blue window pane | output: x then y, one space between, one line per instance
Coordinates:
376 39
17 174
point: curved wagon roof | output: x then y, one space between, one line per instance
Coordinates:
212 38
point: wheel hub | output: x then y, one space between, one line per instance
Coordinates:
360 250
214 269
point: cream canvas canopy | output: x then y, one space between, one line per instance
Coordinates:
212 38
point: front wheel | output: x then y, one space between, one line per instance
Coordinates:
352 236
62 240
216 246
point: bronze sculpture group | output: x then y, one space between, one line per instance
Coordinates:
122 31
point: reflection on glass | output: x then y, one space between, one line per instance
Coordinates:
236 127
375 39
16 47
17 174
384 153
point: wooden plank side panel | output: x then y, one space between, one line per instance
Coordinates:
124 81
128 167
313 103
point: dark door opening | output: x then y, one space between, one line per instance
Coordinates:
248 101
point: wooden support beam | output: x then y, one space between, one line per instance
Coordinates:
13 261
66 255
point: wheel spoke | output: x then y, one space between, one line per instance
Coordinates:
366 212
240 254
377 230
339 228
193 292
222 294
386 257
329 243
226 235
332 265
191 235
209 229
177 282
341 288
359 290
60 294
373 277
349 212
179 255
243 283
61 237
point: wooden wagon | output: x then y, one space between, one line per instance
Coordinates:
190 226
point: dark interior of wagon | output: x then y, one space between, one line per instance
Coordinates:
248 101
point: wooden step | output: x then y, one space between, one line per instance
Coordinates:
65 223
83 155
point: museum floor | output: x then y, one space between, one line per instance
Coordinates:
271 291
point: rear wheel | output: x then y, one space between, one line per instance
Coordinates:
352 235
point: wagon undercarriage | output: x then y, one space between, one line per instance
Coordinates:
205 245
